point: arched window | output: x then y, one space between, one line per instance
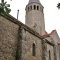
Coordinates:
33 49
37 7
31 7
34 7
42 10
28 8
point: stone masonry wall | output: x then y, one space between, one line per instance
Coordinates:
8 39
51 49
30 39
59 51
35 19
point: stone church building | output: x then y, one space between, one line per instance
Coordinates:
28 41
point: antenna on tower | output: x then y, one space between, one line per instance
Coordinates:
17 14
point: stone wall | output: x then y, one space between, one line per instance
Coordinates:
8 39
51 53
35 18
59 50
30 39
56 39
16 40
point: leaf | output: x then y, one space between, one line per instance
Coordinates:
7 10
2 1
1 10
7 5
58 5
4 7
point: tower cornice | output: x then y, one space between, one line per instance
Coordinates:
34 1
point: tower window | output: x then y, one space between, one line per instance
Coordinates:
28 8
31 7
33 49
42 10
34 7
37 7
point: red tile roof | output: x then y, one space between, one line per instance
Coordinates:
48 35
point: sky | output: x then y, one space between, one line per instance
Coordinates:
51 13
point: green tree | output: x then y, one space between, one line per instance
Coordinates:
58 5
4 7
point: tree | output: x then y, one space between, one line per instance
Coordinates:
58 5
4 7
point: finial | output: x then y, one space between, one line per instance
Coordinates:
17 14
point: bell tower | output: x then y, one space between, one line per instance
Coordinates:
35 16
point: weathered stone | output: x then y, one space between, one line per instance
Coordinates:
8 39
17 39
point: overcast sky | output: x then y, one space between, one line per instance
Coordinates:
51 12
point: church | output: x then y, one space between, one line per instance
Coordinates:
28 41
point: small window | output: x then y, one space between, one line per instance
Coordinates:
34 7
49 55
28 8
33 49
31 7
37 7
42 10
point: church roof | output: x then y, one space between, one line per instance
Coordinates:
48 35
35 1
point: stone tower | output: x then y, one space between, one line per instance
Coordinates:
35 16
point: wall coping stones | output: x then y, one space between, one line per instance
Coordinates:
14 20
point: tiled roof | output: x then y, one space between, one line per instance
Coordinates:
48 35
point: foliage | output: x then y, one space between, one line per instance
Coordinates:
58 5
4 7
